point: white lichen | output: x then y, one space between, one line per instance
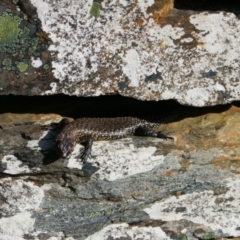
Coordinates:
123 231
119 159
20 198
204 208
85 46
131 69
36 63
13 165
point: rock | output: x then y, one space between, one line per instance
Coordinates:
145 50
24 56
132 188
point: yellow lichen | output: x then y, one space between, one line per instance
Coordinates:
9 31
22 67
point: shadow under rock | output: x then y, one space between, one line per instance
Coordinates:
47 146
232 6
46 155
189 111
89 169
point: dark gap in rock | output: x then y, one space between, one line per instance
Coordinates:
103 106
71 106
209 5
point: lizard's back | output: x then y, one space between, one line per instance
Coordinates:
101 128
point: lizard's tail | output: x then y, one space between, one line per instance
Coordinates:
164 117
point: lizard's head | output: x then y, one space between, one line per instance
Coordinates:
64 146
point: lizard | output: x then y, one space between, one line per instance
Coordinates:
87 130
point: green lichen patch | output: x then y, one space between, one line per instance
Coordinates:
93 214
117 57
46 67
182 237
72 89
22 66
124 219
95 9
15 1
108 210
28 91
140 206
33 45
93 75
17 42
7 64
9 32
209 235
23 34
13 38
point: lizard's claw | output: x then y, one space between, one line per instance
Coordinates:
161 135
85 155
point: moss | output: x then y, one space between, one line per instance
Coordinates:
9 32
95 9
22 66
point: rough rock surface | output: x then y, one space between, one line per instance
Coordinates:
25 62
134 188
143 49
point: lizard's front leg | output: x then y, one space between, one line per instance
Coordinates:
88 148
143 131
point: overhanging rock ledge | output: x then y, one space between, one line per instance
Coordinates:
145 50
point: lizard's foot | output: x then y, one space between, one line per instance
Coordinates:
87 151
161 135
85 155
